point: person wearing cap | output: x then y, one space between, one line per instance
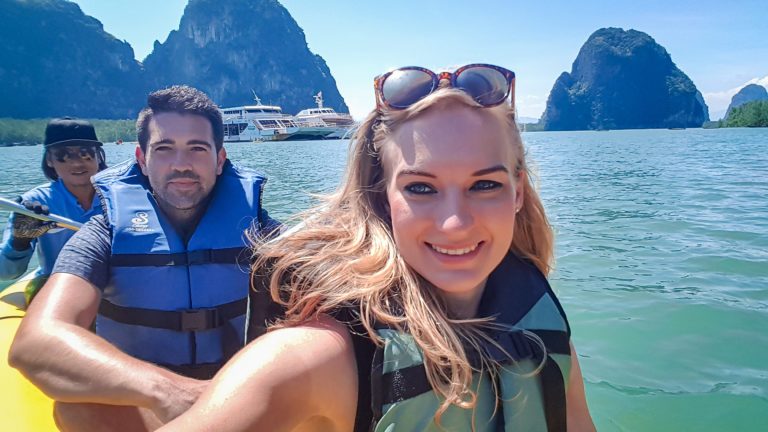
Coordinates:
162 274
72 154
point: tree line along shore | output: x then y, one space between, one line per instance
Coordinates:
751 114
21 132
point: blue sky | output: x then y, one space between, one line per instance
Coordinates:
720 45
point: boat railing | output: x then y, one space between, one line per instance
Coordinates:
311 122
281 124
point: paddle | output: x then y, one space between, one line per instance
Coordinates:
61 221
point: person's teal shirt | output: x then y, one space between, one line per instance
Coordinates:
55 195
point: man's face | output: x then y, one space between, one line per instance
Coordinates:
74 164
181 161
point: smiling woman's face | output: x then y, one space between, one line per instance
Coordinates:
453 191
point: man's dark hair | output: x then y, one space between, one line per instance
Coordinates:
182 100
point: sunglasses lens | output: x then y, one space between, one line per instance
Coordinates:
486 85
404 87
65 153
87 152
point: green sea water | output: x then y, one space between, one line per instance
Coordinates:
662 260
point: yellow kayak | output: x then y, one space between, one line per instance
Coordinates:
22 406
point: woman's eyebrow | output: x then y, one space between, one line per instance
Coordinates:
490 170
415 173
482 172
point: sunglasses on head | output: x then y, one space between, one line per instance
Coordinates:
62 154
489 85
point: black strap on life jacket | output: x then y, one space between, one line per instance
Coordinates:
178 320
262 310
202 371
234 255
553 393
409 382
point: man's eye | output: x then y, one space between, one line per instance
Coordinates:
486 185
420 189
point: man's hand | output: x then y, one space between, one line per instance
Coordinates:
179 398
26 228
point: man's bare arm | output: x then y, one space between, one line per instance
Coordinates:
55 350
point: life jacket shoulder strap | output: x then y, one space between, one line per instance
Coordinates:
553 395
178 320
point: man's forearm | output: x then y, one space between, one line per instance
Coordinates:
55 350
71 364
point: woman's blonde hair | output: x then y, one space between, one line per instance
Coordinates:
344 255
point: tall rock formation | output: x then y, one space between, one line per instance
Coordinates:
623 80
56 61
229 48
748 93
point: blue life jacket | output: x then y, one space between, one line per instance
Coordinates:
176 305
531 384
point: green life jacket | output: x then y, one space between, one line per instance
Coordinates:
531 387
397 396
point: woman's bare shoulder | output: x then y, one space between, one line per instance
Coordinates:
288 379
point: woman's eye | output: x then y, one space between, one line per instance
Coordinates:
485 185
420 189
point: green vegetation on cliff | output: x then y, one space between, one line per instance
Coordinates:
32 132
751 114
623 80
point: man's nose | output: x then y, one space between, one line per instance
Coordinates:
181 160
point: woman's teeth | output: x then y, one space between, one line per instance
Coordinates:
454 251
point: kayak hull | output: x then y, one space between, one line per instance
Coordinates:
22 406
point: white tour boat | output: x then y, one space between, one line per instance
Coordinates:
341 124
268 123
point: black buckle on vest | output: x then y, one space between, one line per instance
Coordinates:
198 319
199 257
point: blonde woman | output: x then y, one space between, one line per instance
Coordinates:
416 297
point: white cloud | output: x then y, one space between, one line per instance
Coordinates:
530 105
718 101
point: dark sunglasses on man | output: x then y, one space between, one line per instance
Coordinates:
63 154
488 85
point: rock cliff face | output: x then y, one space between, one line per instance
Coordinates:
623 80
55 61
228 48
749 93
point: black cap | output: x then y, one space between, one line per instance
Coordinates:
70 132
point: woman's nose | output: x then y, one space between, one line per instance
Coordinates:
454 213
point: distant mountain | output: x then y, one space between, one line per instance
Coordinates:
623 80
228 48
527 120
55 60
749 93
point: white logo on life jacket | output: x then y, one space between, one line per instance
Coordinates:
140 222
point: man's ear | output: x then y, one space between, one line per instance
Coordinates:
221 157
142 160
